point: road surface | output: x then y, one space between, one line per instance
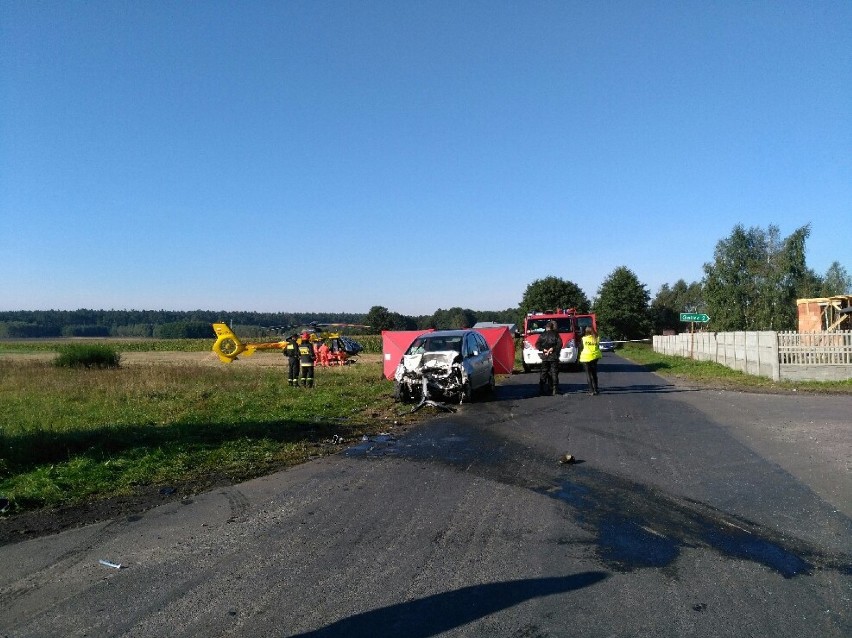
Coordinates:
688 513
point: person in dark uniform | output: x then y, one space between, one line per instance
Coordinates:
549 344
291 351
306 361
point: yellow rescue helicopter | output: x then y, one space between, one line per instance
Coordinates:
228 345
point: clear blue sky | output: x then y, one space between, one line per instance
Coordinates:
310 156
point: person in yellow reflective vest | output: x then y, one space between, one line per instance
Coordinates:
589 356
306 361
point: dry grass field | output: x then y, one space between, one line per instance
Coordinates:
258 360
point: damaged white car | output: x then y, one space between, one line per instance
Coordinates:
446 364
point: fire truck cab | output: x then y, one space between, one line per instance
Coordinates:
570 326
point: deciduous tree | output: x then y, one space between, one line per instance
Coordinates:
755 279
380 318
551 293
836 281
452 319
671 301
622 306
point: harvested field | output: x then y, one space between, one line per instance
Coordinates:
259 359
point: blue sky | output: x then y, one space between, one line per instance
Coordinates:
329 156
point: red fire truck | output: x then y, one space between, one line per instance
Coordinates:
570 326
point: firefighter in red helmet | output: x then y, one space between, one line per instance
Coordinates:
306 361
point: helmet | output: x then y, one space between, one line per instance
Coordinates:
305 336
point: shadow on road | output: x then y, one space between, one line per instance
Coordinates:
527 390
526 385
436 614
608 364
643 389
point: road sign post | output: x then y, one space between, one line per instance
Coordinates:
693 318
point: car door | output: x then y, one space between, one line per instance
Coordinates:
471 360
487 359
481 359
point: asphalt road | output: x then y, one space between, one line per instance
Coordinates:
688 513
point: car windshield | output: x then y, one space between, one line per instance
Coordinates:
435 344
583 323
563 325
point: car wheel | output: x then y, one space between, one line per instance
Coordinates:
466 394
492 385
401 393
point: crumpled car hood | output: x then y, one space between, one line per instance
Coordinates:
429 372
429 362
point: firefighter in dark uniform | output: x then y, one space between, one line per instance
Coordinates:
306 361
549 344
291 351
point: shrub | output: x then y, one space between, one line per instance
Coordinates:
87 356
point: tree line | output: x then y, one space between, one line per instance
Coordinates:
160 324
753 283
197 324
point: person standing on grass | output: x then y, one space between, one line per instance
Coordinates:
306 361
589 358
550 345
291 351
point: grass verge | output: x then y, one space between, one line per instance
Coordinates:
714 374
71 435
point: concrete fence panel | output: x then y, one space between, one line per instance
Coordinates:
793 356
753 353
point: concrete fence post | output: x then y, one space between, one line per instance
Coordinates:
775 358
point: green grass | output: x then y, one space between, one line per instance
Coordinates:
72 435
710 372
69 435
118 344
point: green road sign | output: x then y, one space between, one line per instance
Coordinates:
691 316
